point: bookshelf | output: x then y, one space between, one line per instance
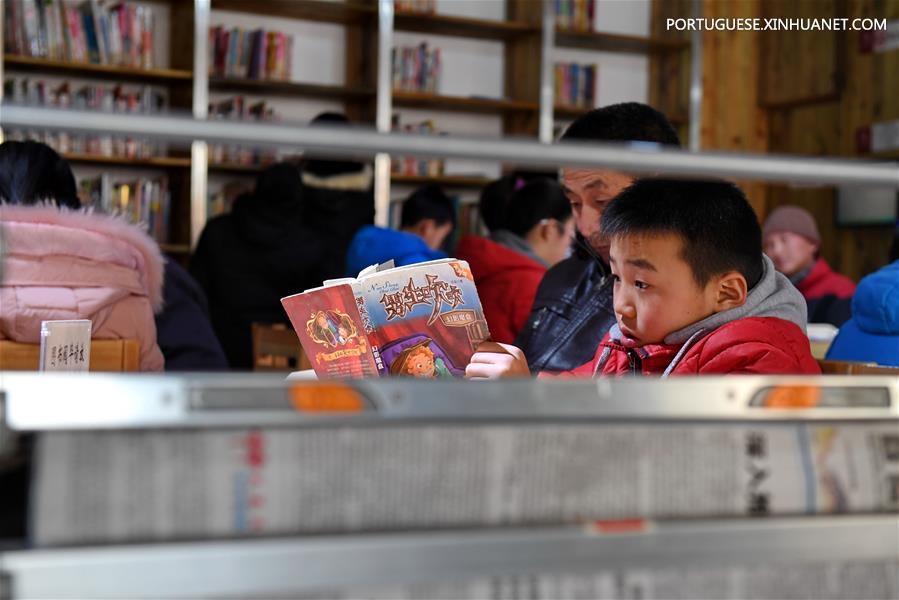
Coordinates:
614 42
517 106
156 162
463 26
290 89
84 69
324 11
462 104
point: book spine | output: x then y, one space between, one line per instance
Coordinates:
87 23
288 61
95 15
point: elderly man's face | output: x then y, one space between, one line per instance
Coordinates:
590 191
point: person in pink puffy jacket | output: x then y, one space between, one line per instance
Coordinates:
60 263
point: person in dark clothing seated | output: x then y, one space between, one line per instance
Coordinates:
249 259
428 217
338 194
183 330
573 306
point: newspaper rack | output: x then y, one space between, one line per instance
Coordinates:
254 568
33 402
355 563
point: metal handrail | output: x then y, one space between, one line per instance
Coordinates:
635 157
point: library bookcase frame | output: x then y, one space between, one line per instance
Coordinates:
524 109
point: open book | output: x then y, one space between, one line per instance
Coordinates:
422 320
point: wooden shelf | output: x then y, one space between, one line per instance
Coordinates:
175 248
160 162
616 42
289 88
237 168
462 26
325 11
458 181
62 67
568 112
461 103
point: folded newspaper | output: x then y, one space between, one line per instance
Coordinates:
423 320
163 485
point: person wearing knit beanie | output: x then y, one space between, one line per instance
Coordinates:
791 240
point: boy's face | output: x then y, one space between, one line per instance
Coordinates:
590 191
655 293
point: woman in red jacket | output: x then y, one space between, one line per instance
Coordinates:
537 232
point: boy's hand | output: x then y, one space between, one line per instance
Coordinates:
494 360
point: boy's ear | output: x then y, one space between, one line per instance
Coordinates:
732 291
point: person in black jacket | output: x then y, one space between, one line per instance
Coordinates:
246 261
573 307
338 194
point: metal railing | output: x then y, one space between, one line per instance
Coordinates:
635 157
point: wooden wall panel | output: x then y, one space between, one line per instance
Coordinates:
819 89
731 118
785 57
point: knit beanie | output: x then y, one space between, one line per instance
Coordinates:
793 219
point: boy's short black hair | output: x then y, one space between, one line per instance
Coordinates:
428 202
32 172
624 122
718 226
537 200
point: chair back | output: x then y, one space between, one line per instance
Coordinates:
276 347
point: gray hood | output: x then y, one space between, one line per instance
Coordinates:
517 243
772 296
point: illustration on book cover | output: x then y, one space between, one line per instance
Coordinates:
421 321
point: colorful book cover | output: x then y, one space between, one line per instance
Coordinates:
421 320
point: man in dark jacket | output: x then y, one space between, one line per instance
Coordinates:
573 307
338 195
246 261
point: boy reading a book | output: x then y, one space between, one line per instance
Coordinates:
693 293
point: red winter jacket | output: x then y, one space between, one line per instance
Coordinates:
507 284
822 281
754 345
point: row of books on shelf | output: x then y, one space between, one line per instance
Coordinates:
425 7
143 201
94 97
243 54
416 69
121 34
237 108
413 165
575 15
575 85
